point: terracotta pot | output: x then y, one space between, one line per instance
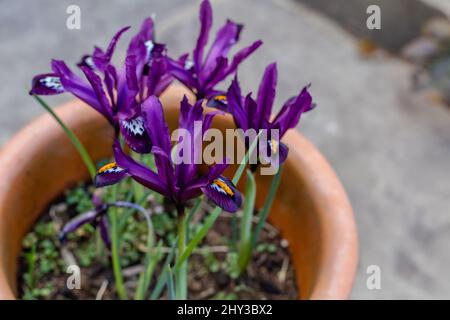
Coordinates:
311 208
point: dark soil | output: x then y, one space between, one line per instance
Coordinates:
43 262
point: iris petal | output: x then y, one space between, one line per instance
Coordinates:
46 84
266 94
236 105
76 85
224 194
290 113
109 174
205 16
78 221
103 227
86 61
139 172
218 101
135 135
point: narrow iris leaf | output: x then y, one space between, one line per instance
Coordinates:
156 293
73 138
264 212
245 244
152 257
170 286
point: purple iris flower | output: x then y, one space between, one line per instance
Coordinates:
200 74
256 115
116 94
179 182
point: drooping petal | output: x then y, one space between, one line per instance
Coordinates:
266 94
139 172
205 17
290 113
133 131
109 174
224 194
46 84
78 221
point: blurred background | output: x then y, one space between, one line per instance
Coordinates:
382 121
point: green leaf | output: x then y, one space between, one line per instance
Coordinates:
245 244
170 286
162 281
73 138
151 260
182 270
264 212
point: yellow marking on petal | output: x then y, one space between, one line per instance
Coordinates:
107 167
222 185
222 98
274 146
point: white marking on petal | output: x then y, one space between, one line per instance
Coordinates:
89 62
53 83
149 45
134 126
113 170
188 64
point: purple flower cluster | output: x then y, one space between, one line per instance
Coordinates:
128 98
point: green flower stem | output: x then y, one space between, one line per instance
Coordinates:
209 222
117 269
181 270
73 138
